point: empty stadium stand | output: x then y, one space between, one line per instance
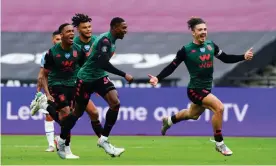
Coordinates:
157 29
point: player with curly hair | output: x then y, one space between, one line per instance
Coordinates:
198 55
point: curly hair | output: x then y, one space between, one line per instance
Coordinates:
80 18
194 21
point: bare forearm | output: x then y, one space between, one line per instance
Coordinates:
44 81
45 85
39 80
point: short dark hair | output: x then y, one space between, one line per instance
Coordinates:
56 33
61 27
115 21
194 21
80 18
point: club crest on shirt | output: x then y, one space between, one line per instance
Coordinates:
202 49
209 47
105 40
75 53
67 55
86 47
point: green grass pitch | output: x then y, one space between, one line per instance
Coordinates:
141 150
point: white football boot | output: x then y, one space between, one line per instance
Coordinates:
222 148
166 124
69 154
60 146
109 149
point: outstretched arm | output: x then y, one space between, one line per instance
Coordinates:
168 70
230 58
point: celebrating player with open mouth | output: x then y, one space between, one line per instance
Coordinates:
93 77
62 61
49 122
198 56
85 41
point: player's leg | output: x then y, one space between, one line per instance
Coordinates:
93 113
112 114
82 96
49 123
50 133
40 104
214 104
65 99
62 105
63 141
71 91
193 112
105 88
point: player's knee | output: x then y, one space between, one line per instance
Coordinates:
65 110
63 114
219 108
115 105
49 118
94 115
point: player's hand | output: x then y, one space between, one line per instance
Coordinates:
49 97
153 80
38 88
249 54
129 78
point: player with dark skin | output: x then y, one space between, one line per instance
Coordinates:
67 36
56 38
61 62
93 78
85 40
49 122
198 57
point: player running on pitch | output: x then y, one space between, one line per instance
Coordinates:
93 77
49 122
198 56
85 40
63 62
